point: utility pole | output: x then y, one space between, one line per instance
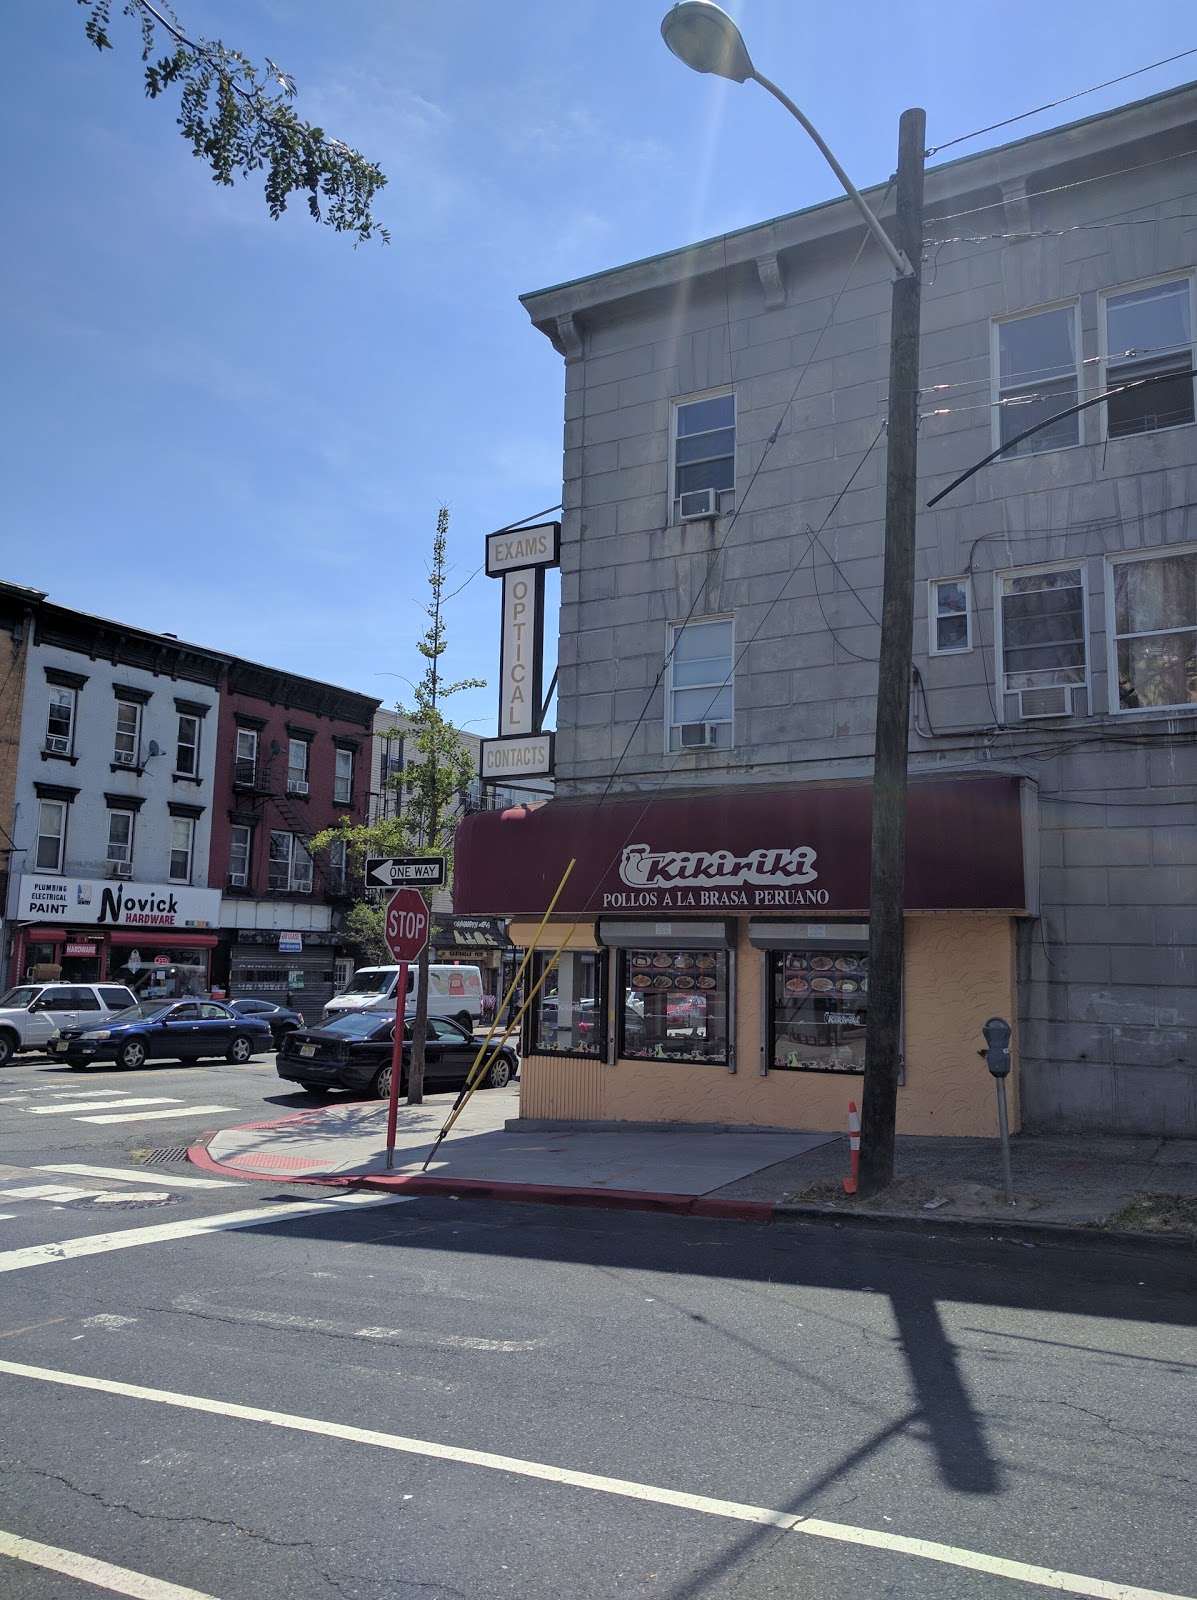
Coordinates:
887 896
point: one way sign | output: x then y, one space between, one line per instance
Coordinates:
392 872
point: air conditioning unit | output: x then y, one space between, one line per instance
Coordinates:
697 503
120 869
124 758
1054 701
699 735
237 880
296 786
58 744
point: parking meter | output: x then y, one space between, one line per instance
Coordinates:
997 1037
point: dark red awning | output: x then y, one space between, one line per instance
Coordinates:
757 851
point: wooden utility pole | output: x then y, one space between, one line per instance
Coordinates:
887 885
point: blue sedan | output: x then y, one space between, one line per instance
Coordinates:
165 1030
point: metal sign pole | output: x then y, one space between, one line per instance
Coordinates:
396 1062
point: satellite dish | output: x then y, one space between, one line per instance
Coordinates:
155 749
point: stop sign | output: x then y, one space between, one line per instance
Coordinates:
406 926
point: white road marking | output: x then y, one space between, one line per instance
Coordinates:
59 1094
47 1191
96 1105
150 1116
95 1244
845 1533
202 1305
170 1181
89 1569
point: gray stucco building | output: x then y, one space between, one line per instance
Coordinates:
722 537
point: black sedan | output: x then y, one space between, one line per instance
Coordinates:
164 1030
354 1052
281 1019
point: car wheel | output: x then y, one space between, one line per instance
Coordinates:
466 1021
381 1087
319 1091
240 1050
499 1075
8 1047
132 1054
76 1065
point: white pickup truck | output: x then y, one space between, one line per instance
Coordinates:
32 1013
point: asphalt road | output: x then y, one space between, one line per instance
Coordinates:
249 1390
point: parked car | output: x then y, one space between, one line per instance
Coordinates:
354 1051
32 1013
165 1030
281 1019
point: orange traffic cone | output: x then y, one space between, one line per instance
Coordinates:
854 1147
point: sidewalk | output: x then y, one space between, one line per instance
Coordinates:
1095 1184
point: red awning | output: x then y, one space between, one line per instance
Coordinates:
759 851
156 936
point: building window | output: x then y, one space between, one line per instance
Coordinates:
1036 377
187 753
950 616
701 664
675 1005
298 751
290 868
60 722
1148 333
240 841
819 999
182 843
704 454
1041 642
570 1012
51 835
338 876
128 734
120 838
343 778
245 767
1153 600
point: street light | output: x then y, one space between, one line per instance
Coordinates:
707 39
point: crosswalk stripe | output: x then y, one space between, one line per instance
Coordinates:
49 1191
149 1116
98 1105
162 1180
91 1570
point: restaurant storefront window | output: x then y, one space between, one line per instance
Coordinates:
816 995
676 981
569 1013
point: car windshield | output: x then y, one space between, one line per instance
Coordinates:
367 982
357 1024
144 1010
20 998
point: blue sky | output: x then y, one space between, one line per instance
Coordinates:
240 431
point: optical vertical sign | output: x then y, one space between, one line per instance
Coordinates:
520 558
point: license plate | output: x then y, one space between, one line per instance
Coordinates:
307 1049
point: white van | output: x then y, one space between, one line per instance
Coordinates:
453 991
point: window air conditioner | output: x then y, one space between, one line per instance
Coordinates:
296 786
120 869
236 880
58 743
697 503
1054 701
696 735
123 758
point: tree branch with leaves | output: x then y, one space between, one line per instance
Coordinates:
239 120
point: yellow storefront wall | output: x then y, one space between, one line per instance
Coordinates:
959 972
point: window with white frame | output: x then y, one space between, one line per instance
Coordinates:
704 454
343 777
120 838
338 879
1148 333
1153 629
290 866
298 751
950 615
182 846
699 700
51 835
240 843
127 742
245 766
60 721
1042 657
1036 363
187 750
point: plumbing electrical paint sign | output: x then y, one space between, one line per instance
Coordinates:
117 905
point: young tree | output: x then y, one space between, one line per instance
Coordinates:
238 119
431 784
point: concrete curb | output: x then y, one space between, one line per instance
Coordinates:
1085 1235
